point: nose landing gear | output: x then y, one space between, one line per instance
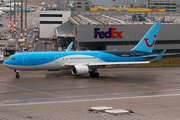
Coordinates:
17 73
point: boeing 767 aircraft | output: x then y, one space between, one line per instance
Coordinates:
86 62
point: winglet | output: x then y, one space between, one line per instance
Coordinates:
69 47
158 58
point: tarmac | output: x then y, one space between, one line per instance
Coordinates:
144 108
150 92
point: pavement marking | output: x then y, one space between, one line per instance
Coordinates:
150 96
30 90
64 76
110 75
166 83
101 75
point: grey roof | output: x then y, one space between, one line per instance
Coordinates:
65 30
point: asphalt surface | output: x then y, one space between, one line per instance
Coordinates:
60 88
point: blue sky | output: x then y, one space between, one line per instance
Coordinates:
122 1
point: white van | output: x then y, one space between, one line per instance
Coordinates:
1 58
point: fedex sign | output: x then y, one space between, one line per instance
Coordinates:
112 33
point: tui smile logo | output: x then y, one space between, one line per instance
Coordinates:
149 45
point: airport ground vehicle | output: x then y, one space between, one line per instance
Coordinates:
10 48
1 56
87 62
3 37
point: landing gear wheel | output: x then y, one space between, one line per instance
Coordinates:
17 75
94 74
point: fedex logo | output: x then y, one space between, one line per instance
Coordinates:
112 33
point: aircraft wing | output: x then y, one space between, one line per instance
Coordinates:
107 63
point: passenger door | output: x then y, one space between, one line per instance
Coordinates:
132 57
99 58
25 60
56 59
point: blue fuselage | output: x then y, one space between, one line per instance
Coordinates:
57 60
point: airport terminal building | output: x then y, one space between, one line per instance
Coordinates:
114 31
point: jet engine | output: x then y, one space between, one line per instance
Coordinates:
80 70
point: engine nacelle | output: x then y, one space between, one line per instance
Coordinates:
80 70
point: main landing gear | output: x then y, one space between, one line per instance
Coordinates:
17 73
94 74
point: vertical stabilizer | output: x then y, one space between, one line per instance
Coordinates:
147 43
70 46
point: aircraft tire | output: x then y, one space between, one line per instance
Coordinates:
97 74
94 74
17 75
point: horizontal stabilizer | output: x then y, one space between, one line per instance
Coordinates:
150 56
158 58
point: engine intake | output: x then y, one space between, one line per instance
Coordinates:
80 70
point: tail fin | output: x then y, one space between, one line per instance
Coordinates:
70 46
148 41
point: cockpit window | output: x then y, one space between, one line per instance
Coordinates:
12 58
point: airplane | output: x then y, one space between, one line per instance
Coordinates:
6 9
87 62
1 12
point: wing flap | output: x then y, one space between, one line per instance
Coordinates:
108 63
118 63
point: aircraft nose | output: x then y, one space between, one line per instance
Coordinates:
6 62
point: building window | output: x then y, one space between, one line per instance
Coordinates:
167 7
156 3
50 22
87 3
78 6
50 15
78 3
161 3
